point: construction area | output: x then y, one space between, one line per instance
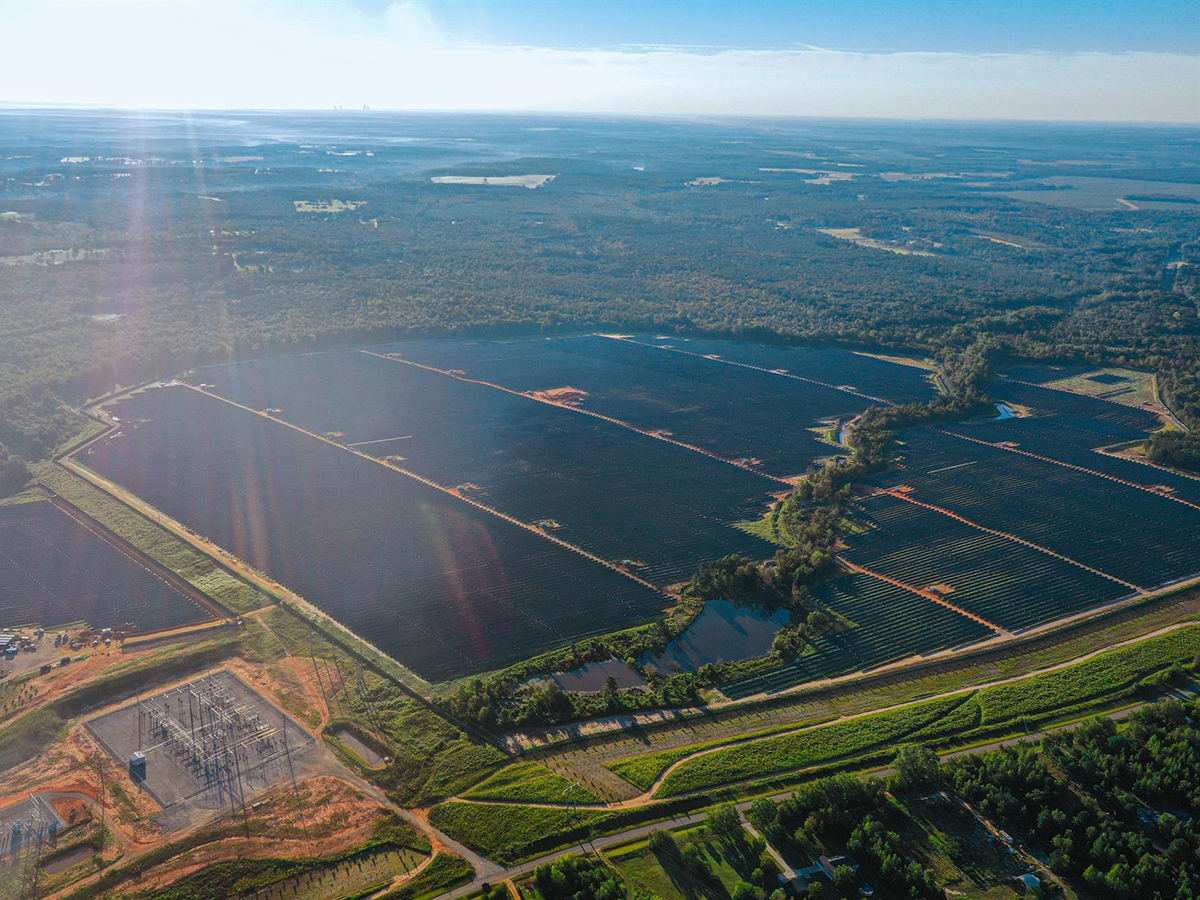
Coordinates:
209 745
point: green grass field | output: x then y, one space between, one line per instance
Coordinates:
669 880
808 748
1099 678
532 783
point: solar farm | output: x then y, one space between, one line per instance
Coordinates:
464 505
59 568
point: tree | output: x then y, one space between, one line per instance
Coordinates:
14 474
917 768
663 842
763 813
843 880
724 821
744 891
611 693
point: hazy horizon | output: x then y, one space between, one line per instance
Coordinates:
1113 62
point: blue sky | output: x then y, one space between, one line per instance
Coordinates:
965 26
909 59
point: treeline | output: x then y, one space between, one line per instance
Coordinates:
14 473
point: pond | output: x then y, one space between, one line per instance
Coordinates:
590 678
71 858
369 756
722 633
1006 411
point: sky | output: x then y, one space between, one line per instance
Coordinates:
1101 60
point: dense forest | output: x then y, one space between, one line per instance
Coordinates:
185 244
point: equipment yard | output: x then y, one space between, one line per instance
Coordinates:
212 743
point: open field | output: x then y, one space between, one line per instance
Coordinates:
532 783
327 206
1088 192
855 236
54 571
525 181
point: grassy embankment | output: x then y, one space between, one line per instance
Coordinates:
1028 703
530 782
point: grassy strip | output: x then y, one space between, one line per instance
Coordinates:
806 748
445 872
642 771
511 833
531 783
1102 676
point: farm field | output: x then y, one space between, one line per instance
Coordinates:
462 592
55 572
1086 192
616 493
693 398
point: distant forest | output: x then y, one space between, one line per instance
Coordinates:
197 252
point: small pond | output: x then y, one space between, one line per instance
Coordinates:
722 633
590 678
70 858
369 756
1006 411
